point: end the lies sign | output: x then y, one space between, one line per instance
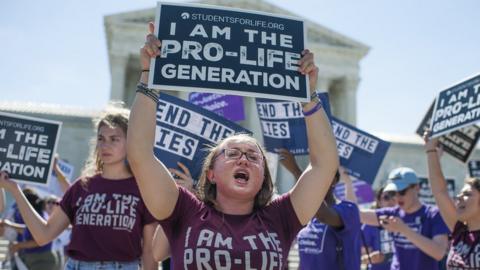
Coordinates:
229 51
27 147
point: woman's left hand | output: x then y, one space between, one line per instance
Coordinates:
6 182
306 66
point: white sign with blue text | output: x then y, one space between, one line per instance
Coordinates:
184 131
229 51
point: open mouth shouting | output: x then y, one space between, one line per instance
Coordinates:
241 176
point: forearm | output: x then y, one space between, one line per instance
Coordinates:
35 223
19 228
329 216
435 174
27 244
350 192
321 142
425 244
2 199
64 183
156 185
439 188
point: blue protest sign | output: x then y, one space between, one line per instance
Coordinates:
184 131
27 147
228 106
283 126
229 51
281 121
456 107
360 152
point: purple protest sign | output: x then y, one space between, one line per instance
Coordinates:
363 190
228 106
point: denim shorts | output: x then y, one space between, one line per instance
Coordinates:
73 264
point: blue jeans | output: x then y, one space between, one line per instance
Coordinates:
73 264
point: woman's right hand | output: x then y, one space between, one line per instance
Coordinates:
150 49
6 182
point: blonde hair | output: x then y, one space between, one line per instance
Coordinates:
114 115
207 191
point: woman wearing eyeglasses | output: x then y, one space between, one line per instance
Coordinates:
419 233
233 224
462 216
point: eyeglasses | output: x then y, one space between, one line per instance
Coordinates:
236 154
403 192
387 196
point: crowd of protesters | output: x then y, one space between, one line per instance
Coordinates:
231 218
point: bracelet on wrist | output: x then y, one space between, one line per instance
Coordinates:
145 70
143 89
313 98
313 110
431 151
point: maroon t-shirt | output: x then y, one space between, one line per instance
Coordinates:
201 237
465 249
107 217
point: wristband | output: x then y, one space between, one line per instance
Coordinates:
153 94
313 110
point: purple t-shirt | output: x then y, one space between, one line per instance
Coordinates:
380 240
426 221
107 218
201 237
464 249
317 241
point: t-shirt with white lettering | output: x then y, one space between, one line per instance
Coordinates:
201 237
318 242
464 249
426 221
107 218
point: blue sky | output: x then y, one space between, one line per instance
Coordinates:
55 51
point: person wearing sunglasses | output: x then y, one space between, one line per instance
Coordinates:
233 223
419 232
462 216
378 240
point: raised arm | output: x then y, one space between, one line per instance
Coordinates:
156 185
349 188
309 192
61 177
438 184
42 231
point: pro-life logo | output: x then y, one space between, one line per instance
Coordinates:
185 15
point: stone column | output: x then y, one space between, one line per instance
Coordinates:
118 74
344 99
